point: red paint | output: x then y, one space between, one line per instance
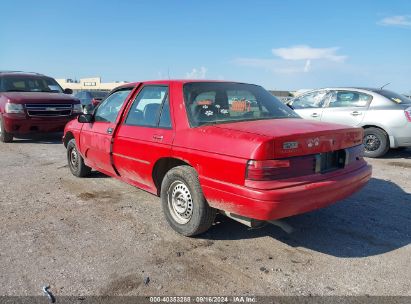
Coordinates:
219 154
23 123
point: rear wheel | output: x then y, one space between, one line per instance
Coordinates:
376 142
4 135
184 204
76 161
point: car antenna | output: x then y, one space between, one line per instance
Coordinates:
385 85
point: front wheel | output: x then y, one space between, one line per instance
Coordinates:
184 205
4 135
76 161
376 142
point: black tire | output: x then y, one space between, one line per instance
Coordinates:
76 161
4 135
376 142
182 183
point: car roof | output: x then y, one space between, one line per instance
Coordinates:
20 73
371 89
171 81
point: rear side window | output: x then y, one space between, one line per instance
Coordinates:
109 108
310 100
150 108
97 94
397 98
348 99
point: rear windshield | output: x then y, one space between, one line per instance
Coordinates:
99 94
23 83
221 102
397 98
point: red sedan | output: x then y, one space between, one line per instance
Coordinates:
206 146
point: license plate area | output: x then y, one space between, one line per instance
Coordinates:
330 161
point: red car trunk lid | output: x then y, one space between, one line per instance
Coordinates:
296 137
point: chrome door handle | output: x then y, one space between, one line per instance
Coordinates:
158 137
110 131
355 113
314 115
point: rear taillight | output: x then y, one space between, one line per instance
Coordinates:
264 170
408 114
321 163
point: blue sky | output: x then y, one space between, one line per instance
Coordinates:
278 44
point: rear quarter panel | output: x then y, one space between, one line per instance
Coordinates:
386 115
217 154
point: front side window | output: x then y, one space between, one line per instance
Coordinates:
30 84
150 108
348 99
310 100
109 108
220 102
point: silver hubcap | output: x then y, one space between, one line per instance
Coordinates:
371 142
180 202
73 158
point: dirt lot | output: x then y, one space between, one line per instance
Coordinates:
98 236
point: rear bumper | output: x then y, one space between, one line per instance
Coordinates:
284 202
20 124
403 141
400 137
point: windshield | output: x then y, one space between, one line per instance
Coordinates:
397 98
220 102
23 83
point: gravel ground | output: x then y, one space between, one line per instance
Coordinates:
99 236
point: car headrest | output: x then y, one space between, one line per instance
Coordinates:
150 112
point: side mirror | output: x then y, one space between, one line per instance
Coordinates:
68 91
85 118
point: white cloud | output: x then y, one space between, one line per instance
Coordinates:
273 65
197 73
295 59
402 21
305 52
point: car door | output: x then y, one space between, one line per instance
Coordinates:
310 105
145 135
96 137
346 107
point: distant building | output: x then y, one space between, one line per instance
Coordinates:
89 84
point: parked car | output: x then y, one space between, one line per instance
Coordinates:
385 116
90 99
205 147
33 103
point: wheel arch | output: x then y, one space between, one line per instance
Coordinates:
366 126
162 166
67 137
